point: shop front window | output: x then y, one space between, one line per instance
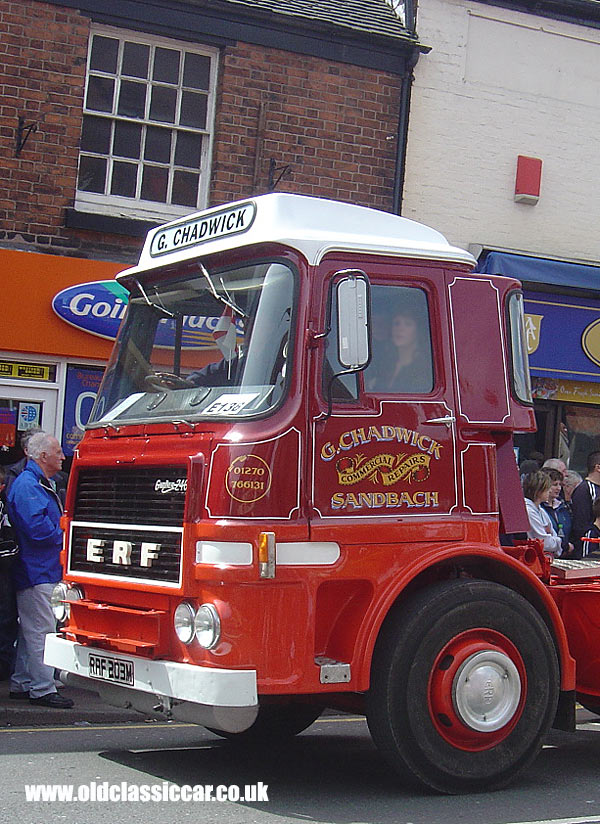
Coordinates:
16 416
579 435
569 431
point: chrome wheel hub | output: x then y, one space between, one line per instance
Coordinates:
486 691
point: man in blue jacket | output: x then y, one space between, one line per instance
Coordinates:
35 509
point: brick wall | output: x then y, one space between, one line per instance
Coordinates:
333 124
43 55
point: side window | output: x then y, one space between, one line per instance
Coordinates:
519 328
345 387
401 359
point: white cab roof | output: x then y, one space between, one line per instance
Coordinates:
311 225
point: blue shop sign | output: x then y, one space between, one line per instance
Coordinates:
98 308
80 394
563 336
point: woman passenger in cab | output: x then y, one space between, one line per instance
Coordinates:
401 361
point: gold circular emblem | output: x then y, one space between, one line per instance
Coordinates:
248 478
590 341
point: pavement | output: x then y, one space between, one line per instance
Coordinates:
88 710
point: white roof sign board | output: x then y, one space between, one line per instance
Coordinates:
313 226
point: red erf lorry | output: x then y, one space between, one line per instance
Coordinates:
291 492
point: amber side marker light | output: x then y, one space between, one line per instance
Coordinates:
266 554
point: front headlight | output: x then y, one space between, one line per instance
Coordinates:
207 626
183 621
59 600
74 593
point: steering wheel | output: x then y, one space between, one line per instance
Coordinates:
166 380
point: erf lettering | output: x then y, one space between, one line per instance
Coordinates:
121 552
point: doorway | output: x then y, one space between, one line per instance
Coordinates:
22 407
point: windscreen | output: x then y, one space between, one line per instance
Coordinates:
202 345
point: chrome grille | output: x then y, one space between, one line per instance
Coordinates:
131 495
136 505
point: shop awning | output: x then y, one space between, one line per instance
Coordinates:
541 270
562 330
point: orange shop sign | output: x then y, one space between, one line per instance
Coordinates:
30 283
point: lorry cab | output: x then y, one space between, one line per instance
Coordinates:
299 463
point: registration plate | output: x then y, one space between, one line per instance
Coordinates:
107 668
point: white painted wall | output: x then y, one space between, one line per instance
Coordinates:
497 84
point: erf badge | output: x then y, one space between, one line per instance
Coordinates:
248 479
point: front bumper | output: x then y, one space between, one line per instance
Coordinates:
220 698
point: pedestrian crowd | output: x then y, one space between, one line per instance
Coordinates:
31 505
563 508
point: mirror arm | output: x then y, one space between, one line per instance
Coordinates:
329 389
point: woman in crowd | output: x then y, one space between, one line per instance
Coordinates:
536 487
558 510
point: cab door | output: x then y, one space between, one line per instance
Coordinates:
387 452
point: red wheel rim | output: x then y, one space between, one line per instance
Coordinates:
477 689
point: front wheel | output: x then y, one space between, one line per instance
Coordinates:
464 685
274 723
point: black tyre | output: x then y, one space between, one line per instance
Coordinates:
275 722
464 685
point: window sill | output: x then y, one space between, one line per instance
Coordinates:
108 224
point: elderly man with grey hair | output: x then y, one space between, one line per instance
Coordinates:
555 463
14 470
35 509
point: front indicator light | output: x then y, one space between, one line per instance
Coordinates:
183 621
266 555
74 593
207 626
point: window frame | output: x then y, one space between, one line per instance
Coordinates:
520 376
118 205
431 339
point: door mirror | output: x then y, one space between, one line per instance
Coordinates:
353 303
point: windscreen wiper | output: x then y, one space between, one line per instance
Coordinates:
158 306
226 300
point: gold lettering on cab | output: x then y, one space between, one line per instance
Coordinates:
384 469
248 478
